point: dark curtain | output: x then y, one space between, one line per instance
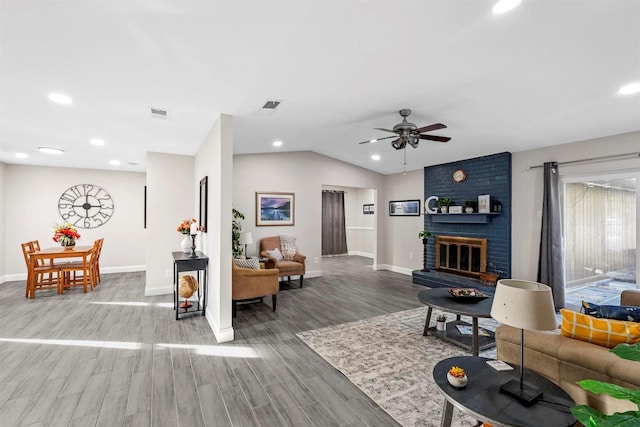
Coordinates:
551 262
334 233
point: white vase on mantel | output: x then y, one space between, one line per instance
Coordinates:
186 244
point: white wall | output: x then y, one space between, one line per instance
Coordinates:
215 160
527 189
31 197
404 253
170 199
3 223
302 173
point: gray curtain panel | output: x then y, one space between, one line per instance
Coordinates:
334 233
551 260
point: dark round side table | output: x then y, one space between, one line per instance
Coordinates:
481 398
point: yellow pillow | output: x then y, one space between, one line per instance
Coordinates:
604 332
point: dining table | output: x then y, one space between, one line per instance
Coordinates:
57 253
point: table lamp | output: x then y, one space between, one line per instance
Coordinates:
524 305
246 239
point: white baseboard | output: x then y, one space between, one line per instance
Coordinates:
159 290
103 270
360 253
222 335
395 269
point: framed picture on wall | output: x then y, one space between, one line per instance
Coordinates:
404 208
203 204
368 209
275 209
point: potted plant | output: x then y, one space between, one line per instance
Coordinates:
469 206
591 417
424 235
235 231
444 203
441 322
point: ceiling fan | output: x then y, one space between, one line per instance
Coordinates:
408 133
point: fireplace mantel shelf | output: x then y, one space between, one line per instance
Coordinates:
464 218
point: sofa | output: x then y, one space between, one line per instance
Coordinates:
565 361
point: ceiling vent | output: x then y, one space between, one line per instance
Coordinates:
271 104
159 113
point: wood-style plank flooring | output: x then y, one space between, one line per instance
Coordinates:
113 357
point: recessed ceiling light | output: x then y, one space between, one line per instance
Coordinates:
629 89
277 143
373 141
22 155
96 141
60 98
504 6
115 162
51 150
375 157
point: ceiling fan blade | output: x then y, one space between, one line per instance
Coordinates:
429 128
377 139
434 138
386 130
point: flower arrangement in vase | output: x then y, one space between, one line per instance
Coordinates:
65 234
457 377
187 227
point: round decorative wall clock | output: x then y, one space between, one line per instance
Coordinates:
459 175
85 206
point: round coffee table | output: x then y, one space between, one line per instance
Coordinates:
440 298
481 398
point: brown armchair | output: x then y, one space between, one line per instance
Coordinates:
249 283
294 267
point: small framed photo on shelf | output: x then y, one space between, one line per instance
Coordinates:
404 208
484 203
368 209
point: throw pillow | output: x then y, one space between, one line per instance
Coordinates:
604 332
616 312
276 254
253 263
288 245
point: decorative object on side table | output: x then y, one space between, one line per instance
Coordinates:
187 286
457 377
468 295
246 239
524 305
194 233
424 235
185 229
66 235
441 322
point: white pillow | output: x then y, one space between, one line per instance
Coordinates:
276 254
253 263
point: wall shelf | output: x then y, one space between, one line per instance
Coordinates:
464 218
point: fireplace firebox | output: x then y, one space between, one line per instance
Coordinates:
466 256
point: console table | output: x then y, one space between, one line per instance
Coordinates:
183 262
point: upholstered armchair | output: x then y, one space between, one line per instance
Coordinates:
251 283
287 260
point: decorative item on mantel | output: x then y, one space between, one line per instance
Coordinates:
444 203
185 229
66 235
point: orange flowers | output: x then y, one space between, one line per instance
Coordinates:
65 234
185 226
457 372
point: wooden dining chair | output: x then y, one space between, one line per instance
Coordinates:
74 272
46 275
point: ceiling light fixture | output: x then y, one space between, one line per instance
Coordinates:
504 6
22 155
115 162
373 141
375 157
60 98
277 143
51 150
630 89
97 142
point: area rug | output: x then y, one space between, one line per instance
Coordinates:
389 359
